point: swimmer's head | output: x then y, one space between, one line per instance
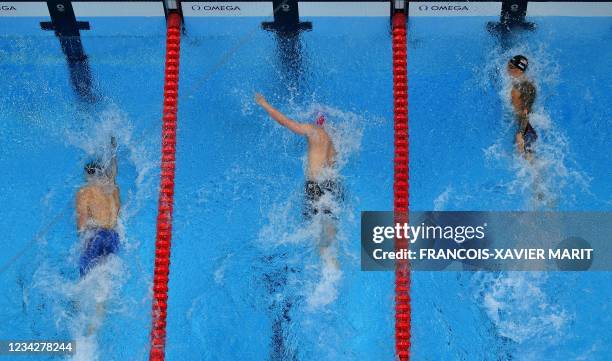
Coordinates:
94 169
517 65
320 121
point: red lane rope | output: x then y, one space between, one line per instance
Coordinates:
166 191
400 184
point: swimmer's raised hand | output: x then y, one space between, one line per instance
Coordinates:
259 99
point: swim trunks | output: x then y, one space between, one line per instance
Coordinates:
314 191
529 136
99 243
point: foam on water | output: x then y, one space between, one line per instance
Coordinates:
522 311
517 302
345 129
548 178
74 302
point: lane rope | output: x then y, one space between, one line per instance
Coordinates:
166 191
400 183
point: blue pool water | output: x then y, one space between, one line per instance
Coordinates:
462 158
47 135
243 257
242 248
246 280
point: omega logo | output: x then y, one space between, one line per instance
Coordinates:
444 8
197 7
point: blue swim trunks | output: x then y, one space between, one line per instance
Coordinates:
99 243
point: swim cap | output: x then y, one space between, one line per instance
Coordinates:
320 120
93 167
519 61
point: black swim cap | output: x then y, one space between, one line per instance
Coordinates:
93 167
519 61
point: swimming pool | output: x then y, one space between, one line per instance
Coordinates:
462 158
256 257
230 257
246 279
48 134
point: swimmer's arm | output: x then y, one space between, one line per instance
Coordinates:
117 200
113 163
82 209
520 143
523 123
290 124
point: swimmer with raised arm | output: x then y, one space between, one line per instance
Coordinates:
522 95
321 158
97 208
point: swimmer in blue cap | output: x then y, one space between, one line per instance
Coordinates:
523 95
97 206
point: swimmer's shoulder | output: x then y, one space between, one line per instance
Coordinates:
310 131
85 190
89 190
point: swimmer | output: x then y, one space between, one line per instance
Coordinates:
523 95
97 208
321 158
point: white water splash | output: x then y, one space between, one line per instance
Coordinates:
81 306
520 309
442 199
94 139
90 300
543 181
326 290
345 129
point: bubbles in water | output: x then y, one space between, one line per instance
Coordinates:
442 199
322 277
546 179
520 308
345 129
326 290
81 306
93 137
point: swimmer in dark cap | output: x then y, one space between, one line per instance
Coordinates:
320 180
523 95
97 206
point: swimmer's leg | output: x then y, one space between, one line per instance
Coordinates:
520 143
327 244
97 320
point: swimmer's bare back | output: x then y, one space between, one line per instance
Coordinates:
321 151
97 205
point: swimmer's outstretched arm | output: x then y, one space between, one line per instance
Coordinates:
290 124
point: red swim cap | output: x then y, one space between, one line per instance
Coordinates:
320 120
